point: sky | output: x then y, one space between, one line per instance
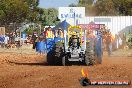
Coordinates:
56 3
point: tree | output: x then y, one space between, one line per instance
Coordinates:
49 17
113 7
13 11
105 7
72 5
30 30
88 4
34 10
124 7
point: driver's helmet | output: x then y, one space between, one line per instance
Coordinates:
74 33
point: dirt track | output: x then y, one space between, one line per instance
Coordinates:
31 71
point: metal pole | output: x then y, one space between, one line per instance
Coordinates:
74 19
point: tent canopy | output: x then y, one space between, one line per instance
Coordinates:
63 25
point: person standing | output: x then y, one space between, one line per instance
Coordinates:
6 40
109 40
49 33
34 37
2 39
59 33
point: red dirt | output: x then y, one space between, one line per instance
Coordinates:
31 71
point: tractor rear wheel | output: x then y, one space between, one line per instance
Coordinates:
54 56
58 53
50 58
90 56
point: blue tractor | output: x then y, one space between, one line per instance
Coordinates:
72 47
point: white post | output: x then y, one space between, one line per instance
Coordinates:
74 19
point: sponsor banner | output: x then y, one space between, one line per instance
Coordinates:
91 26
71 12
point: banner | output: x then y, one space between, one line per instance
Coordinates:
91 26
71 12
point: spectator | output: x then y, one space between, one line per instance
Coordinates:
34 37
49 33
59 33
6 41
109 40
28 39
2 38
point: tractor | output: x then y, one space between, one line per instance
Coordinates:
72 48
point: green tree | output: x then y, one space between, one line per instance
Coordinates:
113 7
105 7
124 7
13 11
30 30
34 10
85 2
72 5
88 4
49 17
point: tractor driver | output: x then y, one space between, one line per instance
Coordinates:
74 41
